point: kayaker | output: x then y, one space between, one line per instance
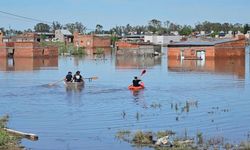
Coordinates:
136 82
69 77
77 77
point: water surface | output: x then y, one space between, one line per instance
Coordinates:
90 118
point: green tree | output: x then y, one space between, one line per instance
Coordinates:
246 28
98 29
77 26
186 30
56 26
154 25
42 27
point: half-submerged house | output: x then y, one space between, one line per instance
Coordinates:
221 48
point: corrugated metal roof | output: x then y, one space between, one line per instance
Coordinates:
201 42
66 32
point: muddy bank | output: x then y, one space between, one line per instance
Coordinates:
167 140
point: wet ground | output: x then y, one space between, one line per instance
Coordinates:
211 97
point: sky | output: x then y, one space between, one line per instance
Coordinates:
110 13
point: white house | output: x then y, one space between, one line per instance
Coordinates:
161 40
63 35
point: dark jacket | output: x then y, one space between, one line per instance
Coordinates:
77 78
69 78
136 82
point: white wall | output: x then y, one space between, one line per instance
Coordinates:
162 40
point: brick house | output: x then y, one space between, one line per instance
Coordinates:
26 45
91 41
222 48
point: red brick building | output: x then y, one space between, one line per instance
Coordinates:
26 45
223 48
91 41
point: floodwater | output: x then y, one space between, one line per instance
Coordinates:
217 93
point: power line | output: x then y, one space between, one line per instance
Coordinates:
23 17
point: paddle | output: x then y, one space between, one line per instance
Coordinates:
143 72
91 78
52 84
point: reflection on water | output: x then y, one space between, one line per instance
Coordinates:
185 100
28 64
233 66
125 62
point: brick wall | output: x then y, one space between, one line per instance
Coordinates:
3 50
33 50
189 52
126 45
91 41
101 41
230 49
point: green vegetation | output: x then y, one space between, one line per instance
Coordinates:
66 48
143 138
8 141
42 27
167 140
99 51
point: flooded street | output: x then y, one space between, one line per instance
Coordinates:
189 96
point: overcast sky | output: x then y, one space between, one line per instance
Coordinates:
121 12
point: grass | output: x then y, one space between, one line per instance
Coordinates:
143 138
8 141
161 134
65 48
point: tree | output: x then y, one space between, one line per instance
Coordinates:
77 26
80 27
42 27
98 29
154 25
28 30
56 26
246 28
186 30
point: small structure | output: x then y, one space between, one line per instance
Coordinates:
64 36
161 39
220 48
134 48
91 41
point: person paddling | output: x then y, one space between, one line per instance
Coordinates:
77 77
136 82
69 77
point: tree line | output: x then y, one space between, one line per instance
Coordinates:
154 26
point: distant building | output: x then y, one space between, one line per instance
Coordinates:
161 39
91 42
137 48
64 36
222 48
247 35
174 33
26 45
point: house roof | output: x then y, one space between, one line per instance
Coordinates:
210 42
66 32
